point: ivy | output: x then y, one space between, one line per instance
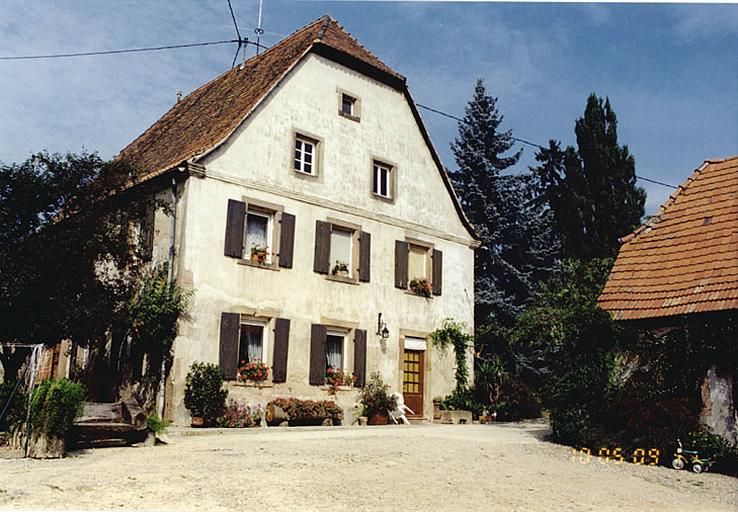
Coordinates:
454 334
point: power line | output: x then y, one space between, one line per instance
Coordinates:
114 52
523 141
233 17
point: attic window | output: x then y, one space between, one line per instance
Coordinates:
708 220
348 106
305 155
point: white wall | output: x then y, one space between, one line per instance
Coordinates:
256 163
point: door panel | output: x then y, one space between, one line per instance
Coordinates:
413 373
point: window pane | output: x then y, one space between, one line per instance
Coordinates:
308 168
341 247
376 179
251 343
308 148
298 144
417 261
334 351
347 104
309 158
257 227
385 176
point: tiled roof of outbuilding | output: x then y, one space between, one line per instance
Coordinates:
685 259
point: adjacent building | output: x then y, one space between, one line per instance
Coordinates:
314 223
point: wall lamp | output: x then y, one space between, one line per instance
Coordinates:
382 329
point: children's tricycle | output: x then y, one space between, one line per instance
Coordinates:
692 458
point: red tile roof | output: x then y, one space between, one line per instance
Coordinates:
685 259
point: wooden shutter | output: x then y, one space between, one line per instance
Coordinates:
365 257
360 357
287 240
229 334
322 263
317 354
401 250
281 344
437 272
234 228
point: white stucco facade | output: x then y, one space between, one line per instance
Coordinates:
255 164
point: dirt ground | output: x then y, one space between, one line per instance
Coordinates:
418 467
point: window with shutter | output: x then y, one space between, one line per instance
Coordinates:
318 334
234 228
229 341
360 357
281 346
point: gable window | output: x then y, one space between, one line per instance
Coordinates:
259 228
252 344
347 104
335 350
305 155
382 180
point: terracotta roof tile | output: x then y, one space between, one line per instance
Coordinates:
685 259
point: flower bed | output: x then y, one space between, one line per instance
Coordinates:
302 412
239 415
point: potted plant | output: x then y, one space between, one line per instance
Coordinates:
204 397
420 286
254 371
340 269
336 377
437 408
258 254
54 406
377 400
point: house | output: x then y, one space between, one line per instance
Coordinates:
308 201
684 262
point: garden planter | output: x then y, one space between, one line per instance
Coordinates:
198 421
378 418
363 421
436 409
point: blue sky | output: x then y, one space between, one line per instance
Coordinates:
671 71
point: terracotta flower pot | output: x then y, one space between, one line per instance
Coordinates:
378 418
198 421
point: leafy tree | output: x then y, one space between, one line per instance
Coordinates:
69 258
516 243
591 190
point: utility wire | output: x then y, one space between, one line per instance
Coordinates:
233 17
523 141
114 52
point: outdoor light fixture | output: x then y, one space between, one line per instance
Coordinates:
382 329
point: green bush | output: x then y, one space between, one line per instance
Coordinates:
15 412
463 399
54 405
204 395
156 425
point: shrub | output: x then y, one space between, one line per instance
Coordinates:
239 415
463 399
156 425
54 405
375 396
203 394
714 447
298 409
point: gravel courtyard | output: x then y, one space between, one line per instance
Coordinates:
419 467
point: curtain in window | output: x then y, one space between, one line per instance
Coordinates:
333 351
251 345
256 231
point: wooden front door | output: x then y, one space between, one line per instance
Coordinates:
413 373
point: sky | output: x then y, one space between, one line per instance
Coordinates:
670 70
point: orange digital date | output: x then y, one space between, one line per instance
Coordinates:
616 455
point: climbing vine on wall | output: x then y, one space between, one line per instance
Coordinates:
454 334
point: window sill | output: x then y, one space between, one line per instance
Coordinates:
266 266
408 292
382 198
341 279
326 387
252 384
343 114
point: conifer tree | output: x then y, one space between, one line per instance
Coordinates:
591 190
516 243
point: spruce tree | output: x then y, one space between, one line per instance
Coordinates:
516 243
591 190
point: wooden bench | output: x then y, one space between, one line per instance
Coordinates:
110 424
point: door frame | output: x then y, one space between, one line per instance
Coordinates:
427 367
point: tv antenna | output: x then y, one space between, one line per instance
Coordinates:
258 30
